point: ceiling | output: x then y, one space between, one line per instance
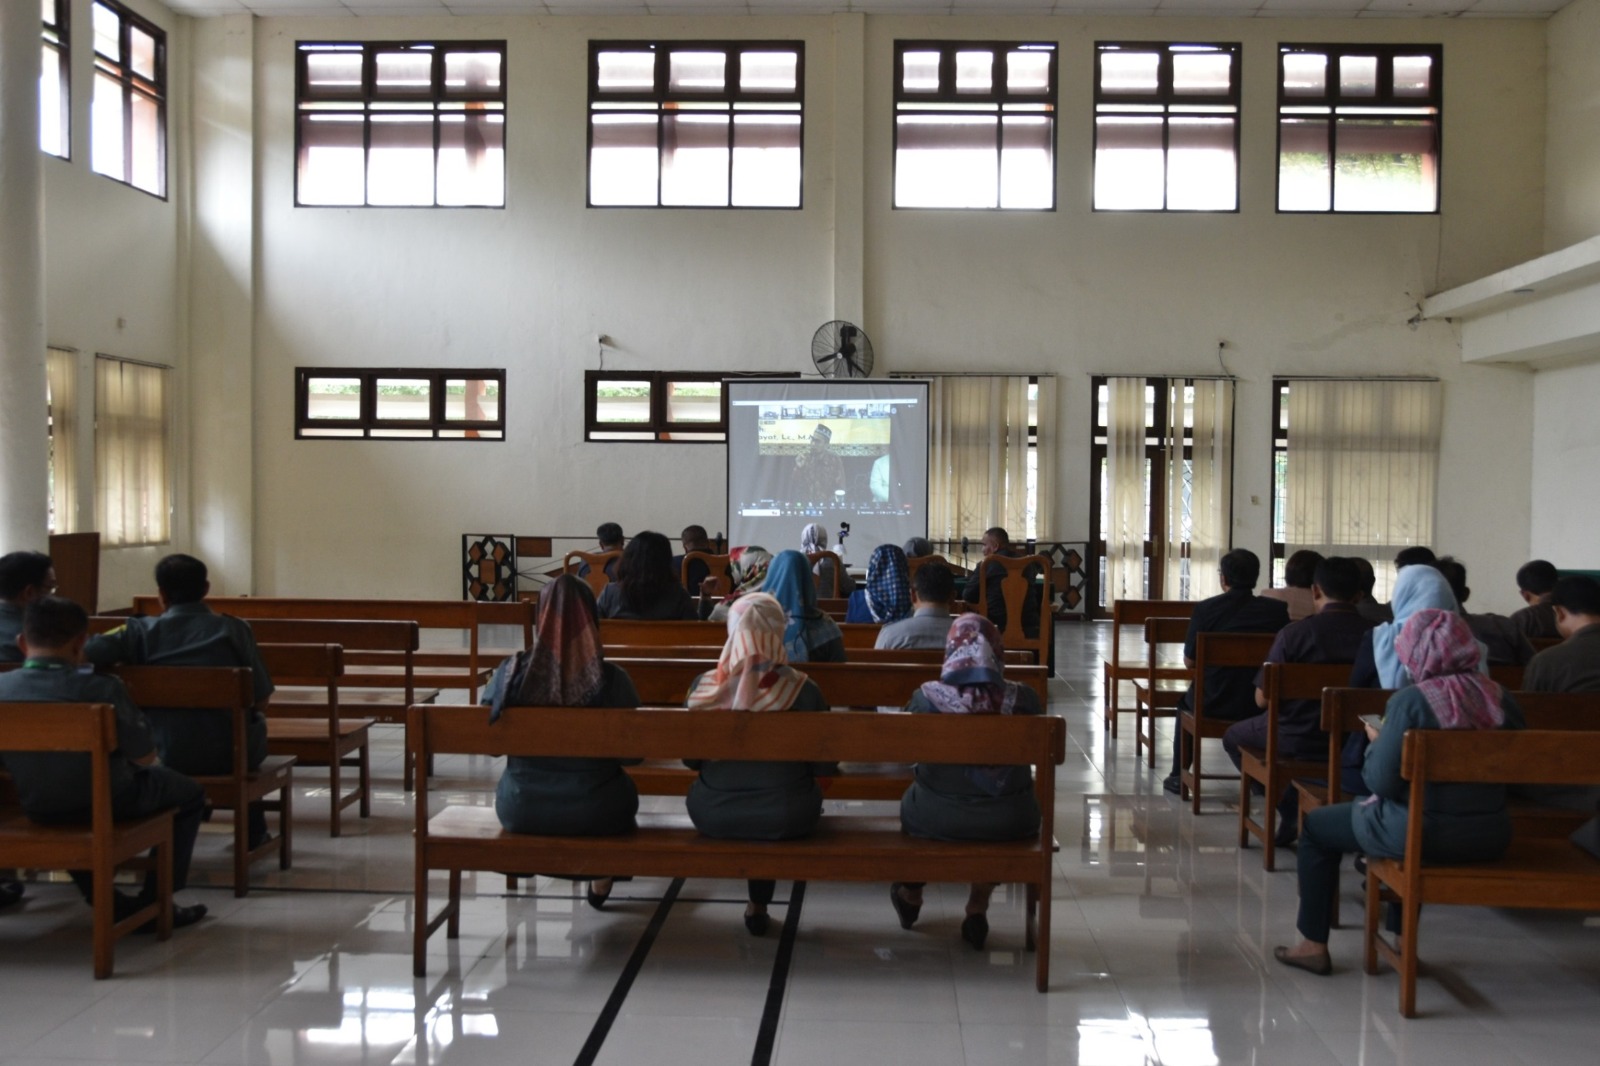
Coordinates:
1179 8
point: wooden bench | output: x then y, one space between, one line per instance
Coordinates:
1117 668
1534 872
854 655
680 633
852 684
1236 650
102 845
320 736
1156 694
846 847
225 690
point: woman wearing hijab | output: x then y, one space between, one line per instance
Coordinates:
813 539
646 586
811 636
750 570
736 800
565 667
1465 822
887 597
952 802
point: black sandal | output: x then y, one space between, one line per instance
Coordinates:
908 912
1320 965
597 899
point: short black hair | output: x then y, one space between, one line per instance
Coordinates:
1455 572
1240 568
1577 594
608 533
1301 569
999 534
918 546
53 622
1369 576
694 534
1338 578
20 571
934 583
181 579
1538 577
1416 555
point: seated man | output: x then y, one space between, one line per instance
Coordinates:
610 539
1536 581
189 633
996 541
1366 603
55 789
1506 643
1574 664
1230 691
24 577
694 540
933 586
1330 635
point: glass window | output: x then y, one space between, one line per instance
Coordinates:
1358 128
672 406
419 124
974 125
710 124
55 112
400 404
132 452
1166 132
128 114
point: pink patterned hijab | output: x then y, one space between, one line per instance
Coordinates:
753 672
972 680
1441 654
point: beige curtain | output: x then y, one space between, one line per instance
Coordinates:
132 454
1044 452
1362 468
1203 412
62 376
978 456
1127 489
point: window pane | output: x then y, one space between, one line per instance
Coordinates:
472 167
105 126
471 72
333 398
621 71
332 159
974 72
1201 175
331 433
471 400
622 401
400 163
1028 72
1129 72
697 71
1305 74
48 11
946 161
1386 165
766 160
52 137
922 72
1129 171
1358 75
761 72
107 32
694 160
1027 175
403 74
623 161
1304 163
403 399
333 73
146 144
1413 75
396 433
694 401
143 48
1202 73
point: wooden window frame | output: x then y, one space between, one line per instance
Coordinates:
1167 98
660 429
57 38
120 69
366 101
371 427
661 99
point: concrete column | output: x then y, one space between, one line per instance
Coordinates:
850 170
24 444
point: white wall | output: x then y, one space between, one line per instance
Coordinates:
1566 443
1572 152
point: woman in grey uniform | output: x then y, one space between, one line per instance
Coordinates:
955 802
739 800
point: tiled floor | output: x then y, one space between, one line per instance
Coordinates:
1162 929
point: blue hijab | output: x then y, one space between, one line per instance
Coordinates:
790 582
1417 588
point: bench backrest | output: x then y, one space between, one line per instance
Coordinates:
670 634
1500 756
666 681
347 633
1299 681
1226 650
832 589
1137 612
856 655
597 578
315 665
90 728
222 688
717 566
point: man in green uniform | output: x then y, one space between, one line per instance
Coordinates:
24 577
55 787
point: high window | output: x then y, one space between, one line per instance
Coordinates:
54 112
664 405
975 125
1358 127
702 124
1166 127
128 118
132 452
419 124
404 404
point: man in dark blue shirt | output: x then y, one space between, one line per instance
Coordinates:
24 577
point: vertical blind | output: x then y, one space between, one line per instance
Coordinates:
62 375
978 454
1205 411
132 453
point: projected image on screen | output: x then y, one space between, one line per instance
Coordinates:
831 452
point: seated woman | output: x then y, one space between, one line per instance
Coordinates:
954 802
887 597
811 636
1465 822
737 800
565 667
814 538
646 587
749 571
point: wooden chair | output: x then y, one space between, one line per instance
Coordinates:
1267 766
1541 643
1025 590
913 564
102 845
720 567
1506 675
597 578
326 739
1116 668
832 589
217 690
1238 650
1156 695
